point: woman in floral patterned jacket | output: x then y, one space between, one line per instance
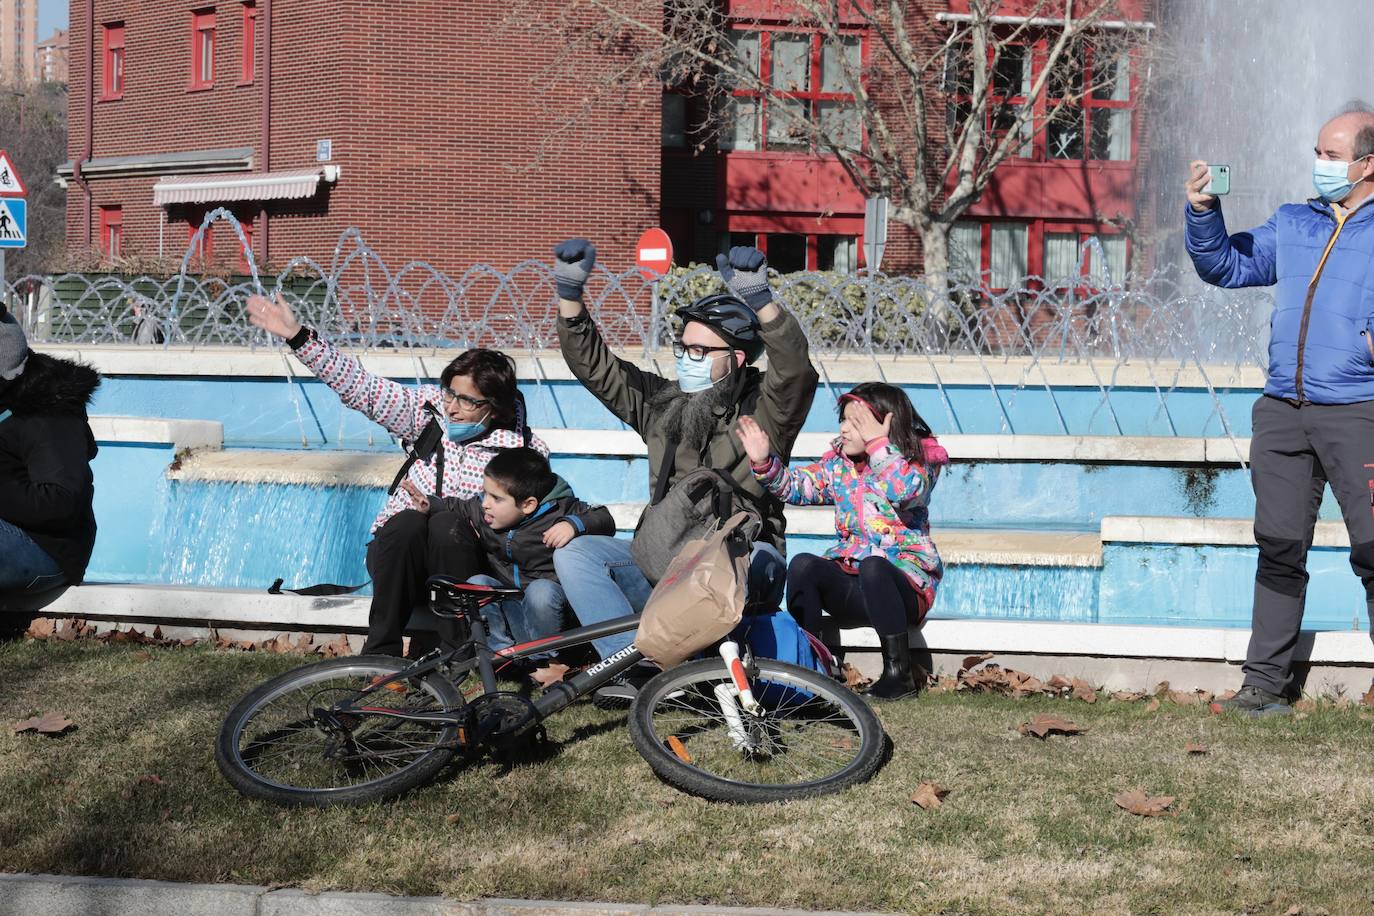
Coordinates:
414 535
878 475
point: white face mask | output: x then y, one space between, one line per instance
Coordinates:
694 376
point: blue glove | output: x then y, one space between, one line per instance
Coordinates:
573 261
745 272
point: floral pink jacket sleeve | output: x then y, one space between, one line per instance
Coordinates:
809 485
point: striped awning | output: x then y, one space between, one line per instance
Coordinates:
213 189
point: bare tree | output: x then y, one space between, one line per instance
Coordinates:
33 129
941 103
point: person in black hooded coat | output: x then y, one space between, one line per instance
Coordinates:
47 522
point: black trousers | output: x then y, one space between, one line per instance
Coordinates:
880 596
406 551
1295 453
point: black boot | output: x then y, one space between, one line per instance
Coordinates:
896 680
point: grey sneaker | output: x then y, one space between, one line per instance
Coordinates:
1255 703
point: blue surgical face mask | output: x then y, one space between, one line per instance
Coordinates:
693 376
465 432
1329 178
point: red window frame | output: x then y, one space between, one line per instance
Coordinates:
203 48
111 230
1081 110
250 42
113 61
1036 230
812 96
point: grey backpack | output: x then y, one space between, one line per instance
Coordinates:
693 507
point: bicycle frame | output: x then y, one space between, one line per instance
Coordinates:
556 697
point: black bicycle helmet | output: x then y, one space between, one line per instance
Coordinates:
729 317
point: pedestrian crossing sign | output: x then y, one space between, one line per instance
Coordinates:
14 222
11 185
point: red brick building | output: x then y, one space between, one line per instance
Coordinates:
419 124
1075 178
311 116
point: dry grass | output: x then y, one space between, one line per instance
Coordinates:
1277 814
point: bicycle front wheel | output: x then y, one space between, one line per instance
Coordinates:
307 737
810 736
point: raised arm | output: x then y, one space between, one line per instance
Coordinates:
805 486
398 408
623 387
1230 261
790 382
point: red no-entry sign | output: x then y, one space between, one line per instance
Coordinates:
655 253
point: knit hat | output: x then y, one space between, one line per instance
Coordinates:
14 346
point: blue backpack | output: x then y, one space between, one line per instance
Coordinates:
776 634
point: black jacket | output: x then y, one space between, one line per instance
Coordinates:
46 449
518 555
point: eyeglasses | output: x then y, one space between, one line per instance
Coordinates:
696 352
450 396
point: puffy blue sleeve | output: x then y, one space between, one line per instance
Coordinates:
1230 261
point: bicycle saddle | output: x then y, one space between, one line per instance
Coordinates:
467 592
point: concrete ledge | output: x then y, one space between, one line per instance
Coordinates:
206 606
180 434
1216 644
118 359
344 468
57 895
1223 532
210 606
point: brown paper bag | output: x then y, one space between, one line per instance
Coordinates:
700 598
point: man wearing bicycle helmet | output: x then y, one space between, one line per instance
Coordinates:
722 335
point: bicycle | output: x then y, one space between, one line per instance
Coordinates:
364 728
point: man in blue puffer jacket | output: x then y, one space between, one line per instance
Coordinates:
1315 423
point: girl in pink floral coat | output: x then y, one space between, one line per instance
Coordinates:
878 475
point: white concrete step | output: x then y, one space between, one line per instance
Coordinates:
239 608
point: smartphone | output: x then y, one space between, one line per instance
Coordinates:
1219 180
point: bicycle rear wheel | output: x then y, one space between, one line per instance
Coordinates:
811 736
287 742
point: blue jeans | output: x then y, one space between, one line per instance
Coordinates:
24 566
602 582
514 621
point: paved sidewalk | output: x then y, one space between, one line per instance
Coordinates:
58 895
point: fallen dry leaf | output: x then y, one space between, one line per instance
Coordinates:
1152 705
1042 725
1084 691
50 723
1137 802
1161 688
67 631
843 743
1194 748
1226 695
1059 683
452 819
1128 696
550 674
928 795
973 661
679 749
151 780
143 655
1368 698
337 647
304 644
43 627
853 679
1306 704
1182 698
